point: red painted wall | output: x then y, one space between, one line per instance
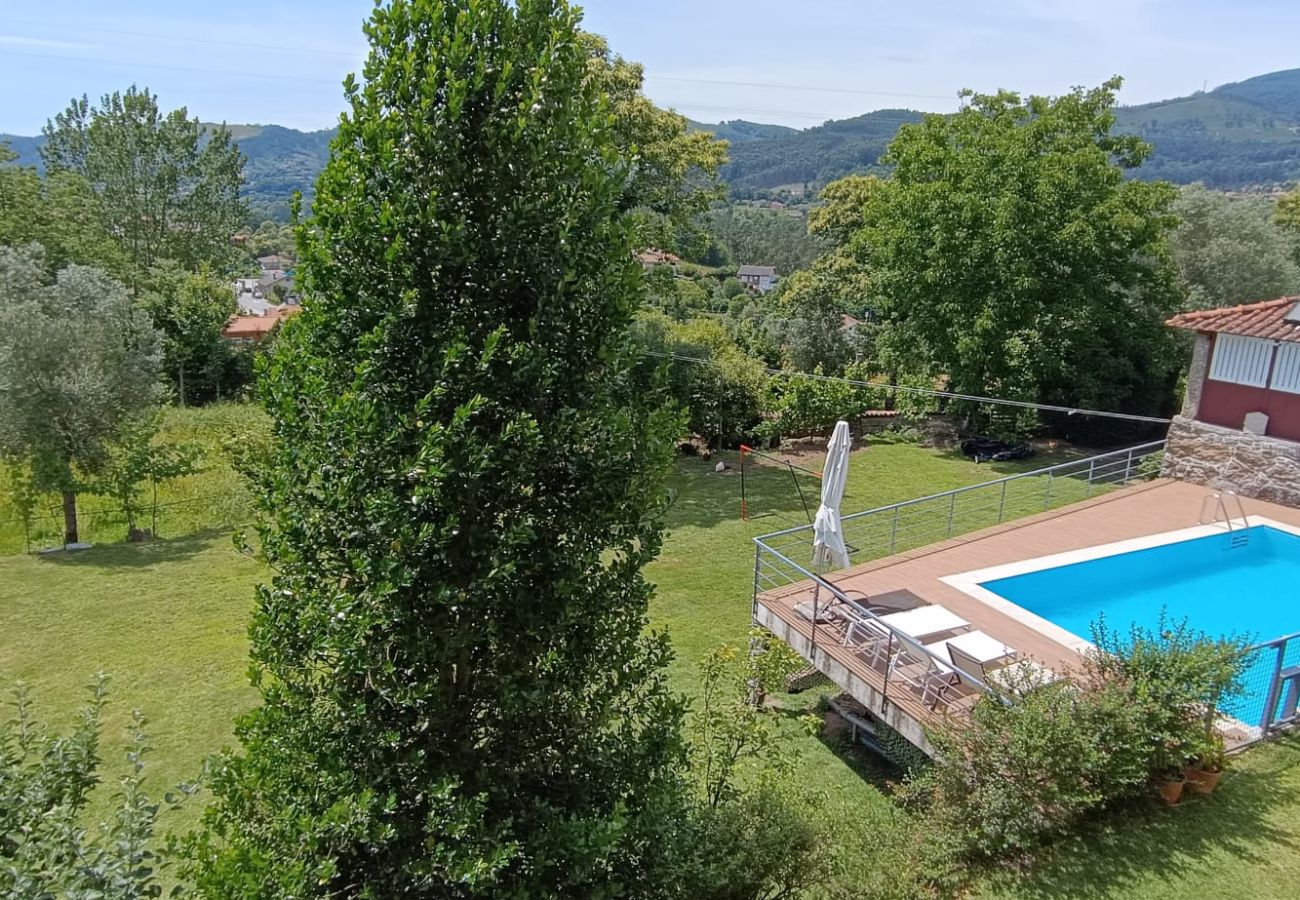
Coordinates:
1227 404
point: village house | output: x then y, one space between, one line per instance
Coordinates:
652 257
758 278
1240 425
253 329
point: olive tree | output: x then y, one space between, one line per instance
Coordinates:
79 363
459 695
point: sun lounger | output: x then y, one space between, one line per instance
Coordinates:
925 621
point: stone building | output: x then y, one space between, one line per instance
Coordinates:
1240 424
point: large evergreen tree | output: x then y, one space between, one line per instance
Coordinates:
459 698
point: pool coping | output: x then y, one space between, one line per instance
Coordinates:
969 582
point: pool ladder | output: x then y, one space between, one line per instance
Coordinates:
1215 508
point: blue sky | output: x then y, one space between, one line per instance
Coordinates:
797 62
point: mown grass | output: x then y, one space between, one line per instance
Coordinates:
168 621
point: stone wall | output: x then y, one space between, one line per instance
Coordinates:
1265 468
1196 375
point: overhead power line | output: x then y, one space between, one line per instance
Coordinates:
927 392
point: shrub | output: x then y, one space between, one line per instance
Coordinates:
45 784
1177 677
1031 766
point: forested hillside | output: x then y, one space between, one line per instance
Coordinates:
1240 136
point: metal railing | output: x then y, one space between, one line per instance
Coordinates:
900 662
898 659
899 527
1271 678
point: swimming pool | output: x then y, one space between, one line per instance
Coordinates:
1241 582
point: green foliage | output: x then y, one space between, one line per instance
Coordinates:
24 496
45 784
805 406
748 236
731 728
168 188
722 396
79 363
1034 764
136 463
459 695
191 310
61 212
1009 253
672 169
1178 676
1230 251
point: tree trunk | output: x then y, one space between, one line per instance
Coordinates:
70 535
181 378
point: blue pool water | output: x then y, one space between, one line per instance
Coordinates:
1251 590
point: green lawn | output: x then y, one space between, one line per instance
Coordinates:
167 620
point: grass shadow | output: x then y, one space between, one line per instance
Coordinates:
136 556
703 498
1155 843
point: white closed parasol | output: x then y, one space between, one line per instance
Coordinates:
829 549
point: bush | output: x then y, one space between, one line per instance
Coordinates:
45 785
1033 765
812 405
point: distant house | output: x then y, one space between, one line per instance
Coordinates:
1240 423
274 262
651 257
757 278
253 329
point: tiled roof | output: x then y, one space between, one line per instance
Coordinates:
1260 320
760 271
257 326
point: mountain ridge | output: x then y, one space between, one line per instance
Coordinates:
1243 135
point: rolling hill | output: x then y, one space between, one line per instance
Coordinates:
1239 136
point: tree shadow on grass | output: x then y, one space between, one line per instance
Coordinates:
138 556
1153 842
703 498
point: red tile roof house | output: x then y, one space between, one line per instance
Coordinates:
1240 425
254 329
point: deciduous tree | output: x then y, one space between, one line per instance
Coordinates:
459 697
1009 253
190 309
60 212
168 186
78 363
1230 251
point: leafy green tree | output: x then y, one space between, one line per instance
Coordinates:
191 310
1287 213
78 364
1009 252
168 188
700 368
137 462
672 170
459 696
60 212
1230 251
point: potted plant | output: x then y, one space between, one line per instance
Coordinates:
1171 786
1205 771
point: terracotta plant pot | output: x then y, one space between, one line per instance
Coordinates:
1171 789
1199 781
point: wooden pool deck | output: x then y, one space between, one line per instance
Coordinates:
1134 512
